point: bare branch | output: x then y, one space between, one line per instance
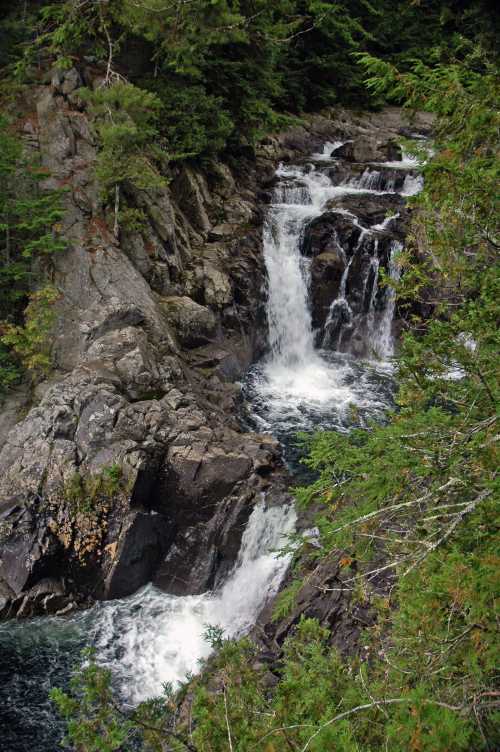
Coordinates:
459 517
227 722
376 703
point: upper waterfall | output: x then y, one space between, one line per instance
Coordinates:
331 228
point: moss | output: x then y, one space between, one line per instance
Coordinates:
92 494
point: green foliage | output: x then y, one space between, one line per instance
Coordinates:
31 341
29 236
214 635
286 600
88 493
94 722
415 500
226 70
193 122
423 492
97 723
125 121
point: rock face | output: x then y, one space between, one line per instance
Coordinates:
130 464
326 595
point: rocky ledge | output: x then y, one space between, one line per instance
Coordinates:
128 464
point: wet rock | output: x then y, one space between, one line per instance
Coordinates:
29 549
367 207
7 595
143 539
208 491
326 275
199 559
391 150
362 149
327 596
143 385
333 233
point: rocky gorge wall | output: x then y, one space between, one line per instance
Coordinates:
129 464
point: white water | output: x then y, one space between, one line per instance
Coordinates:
385 224
295 371
152 638
383 335
299 387
326 154
407 162
339 306
413 184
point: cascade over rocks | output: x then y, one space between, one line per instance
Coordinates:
129 464
347 244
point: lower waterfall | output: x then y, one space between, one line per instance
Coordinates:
148 639
152 638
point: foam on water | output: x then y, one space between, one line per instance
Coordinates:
152 638
146 640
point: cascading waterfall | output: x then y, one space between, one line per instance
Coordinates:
295 369
146 640
373 277
289 318
326 154
153 638
340 313
298 387
383 336
294 363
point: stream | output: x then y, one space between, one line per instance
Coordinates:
301 385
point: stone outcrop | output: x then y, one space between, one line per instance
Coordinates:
129 464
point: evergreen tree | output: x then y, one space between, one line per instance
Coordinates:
29 236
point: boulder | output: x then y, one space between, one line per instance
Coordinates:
208 490
361 149
370 209
391 150
333 232
194 324
326 275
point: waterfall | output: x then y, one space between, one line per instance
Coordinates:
152 638
340 313
373 273
326 154
383 340
412 185
294 370
289 318
386 223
